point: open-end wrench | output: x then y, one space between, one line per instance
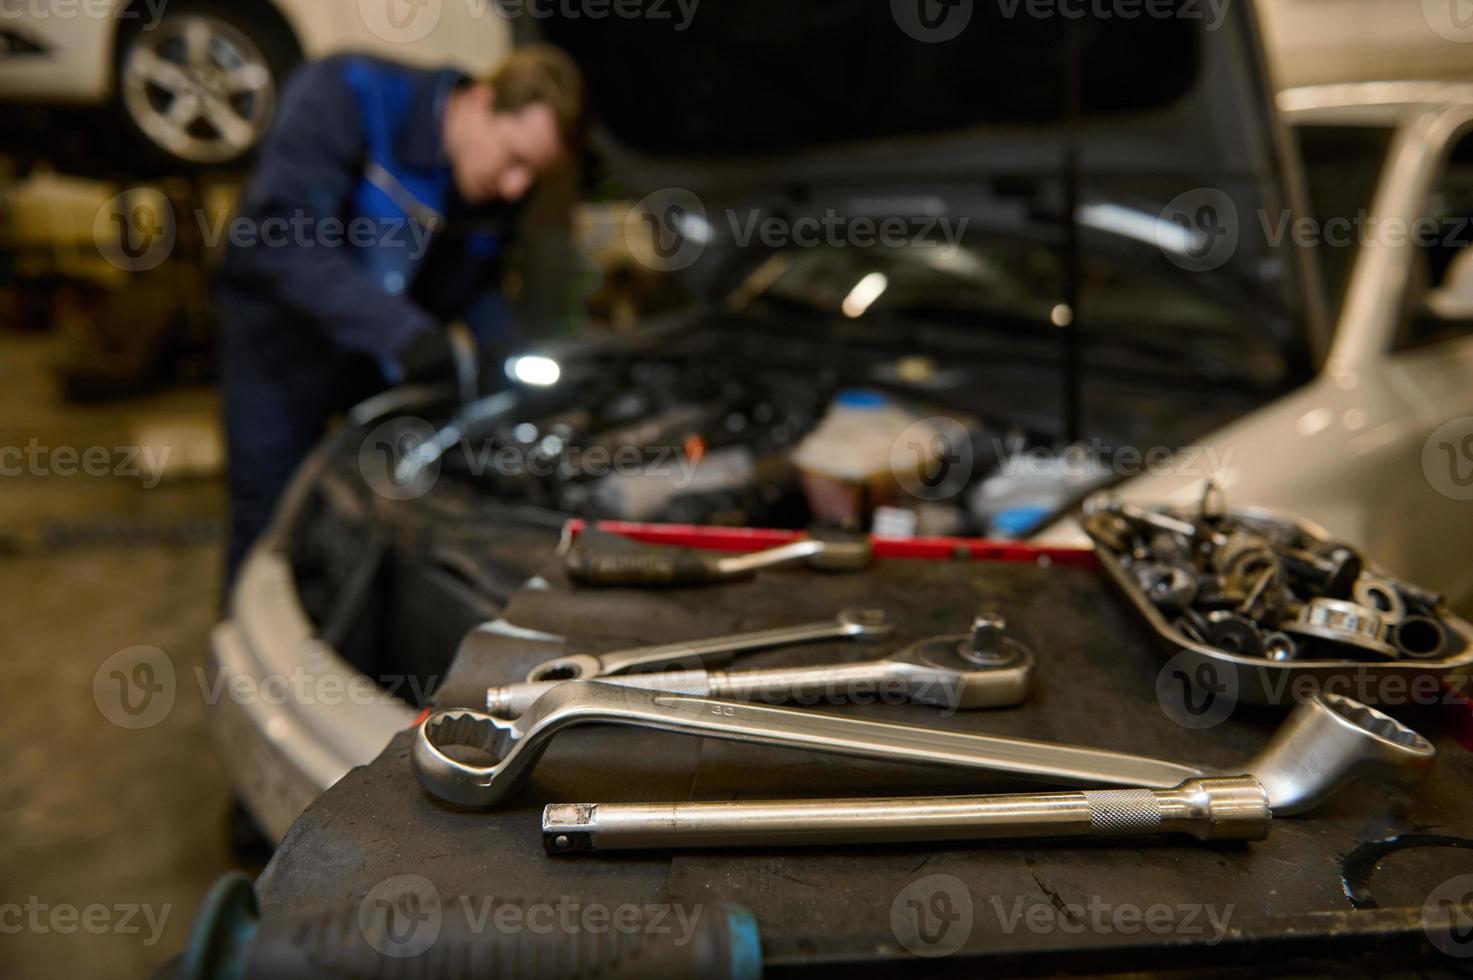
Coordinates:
1325 742
861 624
983 669
655 567
1226 808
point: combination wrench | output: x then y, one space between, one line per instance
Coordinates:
670 567
863 624
981 669
1325 742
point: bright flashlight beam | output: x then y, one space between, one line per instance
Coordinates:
532 370
864 293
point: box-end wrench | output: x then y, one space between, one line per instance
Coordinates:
861 624
669 567
1227 808
982 669
1325 742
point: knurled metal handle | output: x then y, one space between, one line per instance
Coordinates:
1123 812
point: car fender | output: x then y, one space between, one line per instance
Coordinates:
75 64
470 36
1344 452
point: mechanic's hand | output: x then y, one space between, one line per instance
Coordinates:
449 354
429 357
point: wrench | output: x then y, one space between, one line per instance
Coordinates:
859 623
685 566
1325 742
983 669
1231 808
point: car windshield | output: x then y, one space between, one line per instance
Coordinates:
1342 166
1132 301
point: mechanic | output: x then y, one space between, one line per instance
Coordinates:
383 198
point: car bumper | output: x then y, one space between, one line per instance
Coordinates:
291 715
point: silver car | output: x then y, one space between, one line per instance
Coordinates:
1302 360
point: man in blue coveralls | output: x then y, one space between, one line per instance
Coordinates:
381 204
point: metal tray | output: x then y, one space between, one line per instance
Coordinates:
1256 680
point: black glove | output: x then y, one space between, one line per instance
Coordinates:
428 358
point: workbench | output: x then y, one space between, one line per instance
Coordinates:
1349 880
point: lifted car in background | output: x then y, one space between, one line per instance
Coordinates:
195 82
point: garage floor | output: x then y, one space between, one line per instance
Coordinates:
109 837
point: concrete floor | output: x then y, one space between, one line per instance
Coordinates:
116 832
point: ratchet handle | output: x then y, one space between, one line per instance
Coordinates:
665 568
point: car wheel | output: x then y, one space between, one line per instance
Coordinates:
199 87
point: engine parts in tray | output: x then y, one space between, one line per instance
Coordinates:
1272 607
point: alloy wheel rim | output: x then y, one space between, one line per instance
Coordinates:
199 88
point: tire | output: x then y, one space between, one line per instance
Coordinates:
199 87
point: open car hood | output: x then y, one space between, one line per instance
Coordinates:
796 106
771 89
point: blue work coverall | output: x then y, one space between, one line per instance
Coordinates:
350 242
